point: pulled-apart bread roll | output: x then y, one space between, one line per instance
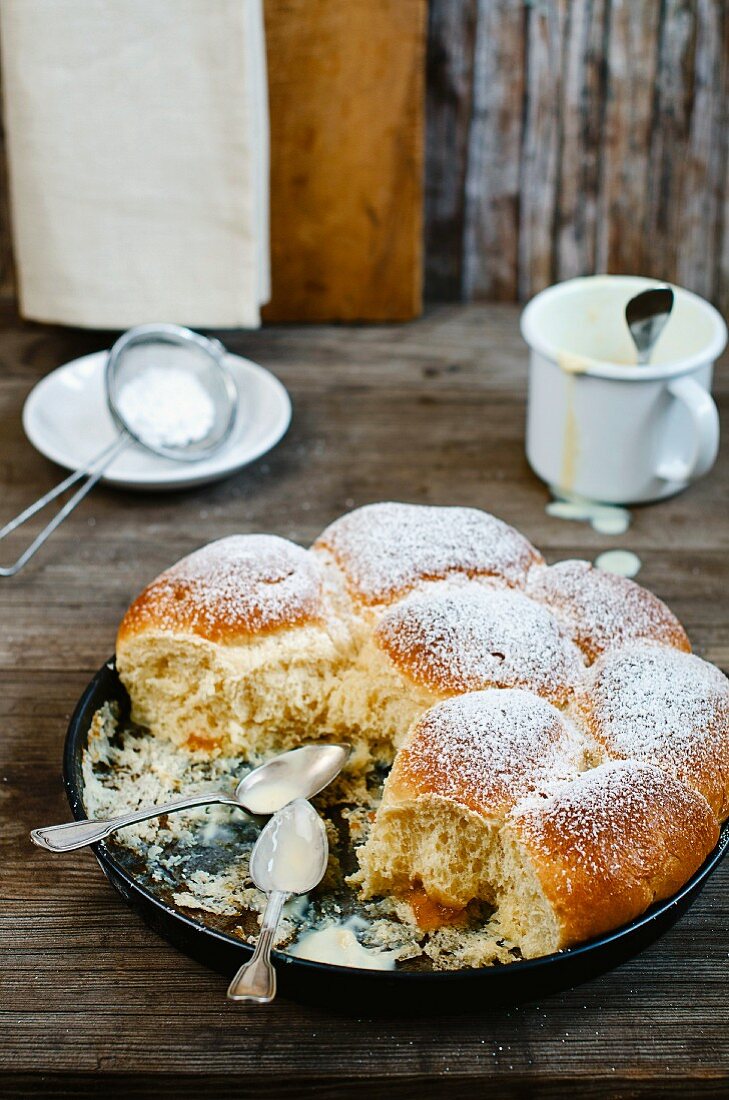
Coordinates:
486 802
446 639
385 550
465 764
453 638
596 853
601 609
662 706
231 648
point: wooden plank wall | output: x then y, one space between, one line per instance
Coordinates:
572 136
346 89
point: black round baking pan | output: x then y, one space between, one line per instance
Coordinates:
361 991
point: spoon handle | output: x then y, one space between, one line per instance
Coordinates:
255 982
77 834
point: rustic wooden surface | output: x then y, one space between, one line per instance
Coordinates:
91 1001
347 103
570 137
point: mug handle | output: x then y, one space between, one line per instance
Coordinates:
700 406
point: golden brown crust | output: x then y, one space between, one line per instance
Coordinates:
664 707
484 750
458 637
459 602
608 845
385 550
601 609
230 589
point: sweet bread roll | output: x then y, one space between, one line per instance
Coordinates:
601 609
668 708
230 590
465 764
578 856
452 638
445 639
442 631
384 550
232 648
597 852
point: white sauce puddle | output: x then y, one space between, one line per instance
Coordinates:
339 946
607 519
623 562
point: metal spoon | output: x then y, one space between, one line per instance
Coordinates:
289 857
647 315
300 773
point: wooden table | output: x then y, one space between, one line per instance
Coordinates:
92 1002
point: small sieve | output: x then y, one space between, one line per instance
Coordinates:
166 349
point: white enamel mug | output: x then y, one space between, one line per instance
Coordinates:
602 427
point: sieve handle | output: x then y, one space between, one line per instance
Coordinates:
92 471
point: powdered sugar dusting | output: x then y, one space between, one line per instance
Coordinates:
488 749
602 609
237 585
463 604
385 549
656 704
462 637
617 823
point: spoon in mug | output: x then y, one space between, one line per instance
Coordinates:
289 857
647 315
299 773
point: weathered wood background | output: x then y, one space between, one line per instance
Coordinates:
562 137
572 136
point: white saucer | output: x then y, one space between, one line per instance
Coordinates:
66 418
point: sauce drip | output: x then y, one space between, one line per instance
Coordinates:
571 440
623 562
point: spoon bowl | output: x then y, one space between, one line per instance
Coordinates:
299 773
292 851
647 315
